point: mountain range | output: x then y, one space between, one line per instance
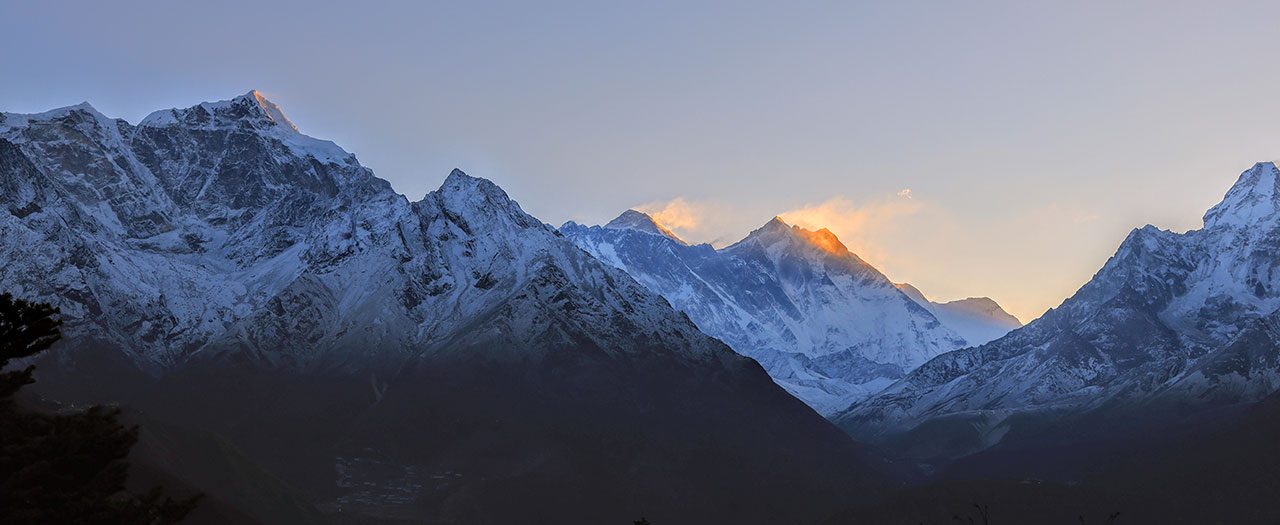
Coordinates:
450 359
302 343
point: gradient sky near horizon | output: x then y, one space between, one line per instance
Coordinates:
970 148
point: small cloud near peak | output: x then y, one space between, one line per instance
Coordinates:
858 225
676 213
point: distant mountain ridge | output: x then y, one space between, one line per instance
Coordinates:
1172 323
977 319
828 327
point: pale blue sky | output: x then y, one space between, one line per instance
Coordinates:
1032 135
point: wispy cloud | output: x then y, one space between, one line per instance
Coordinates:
858 225
694 220
678 213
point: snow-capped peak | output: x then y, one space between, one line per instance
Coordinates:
977 319
248 112
642 222
824 240
915 294
267 107
458 183
766 235
1250 201
982 305
777 237
977 306
18 120
985 308
776 224
475 203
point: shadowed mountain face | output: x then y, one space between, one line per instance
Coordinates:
1173 324
448 359
828 327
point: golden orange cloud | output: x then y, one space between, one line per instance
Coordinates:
677 213
857 225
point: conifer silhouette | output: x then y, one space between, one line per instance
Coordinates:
64 468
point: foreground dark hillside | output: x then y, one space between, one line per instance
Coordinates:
575 441
1214 469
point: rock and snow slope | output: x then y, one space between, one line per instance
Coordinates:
828 327
1170 320
221 227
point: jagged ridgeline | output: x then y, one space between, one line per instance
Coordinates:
256 292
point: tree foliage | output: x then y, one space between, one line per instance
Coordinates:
69 467
26 329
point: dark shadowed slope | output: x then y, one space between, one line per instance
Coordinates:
1219 470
